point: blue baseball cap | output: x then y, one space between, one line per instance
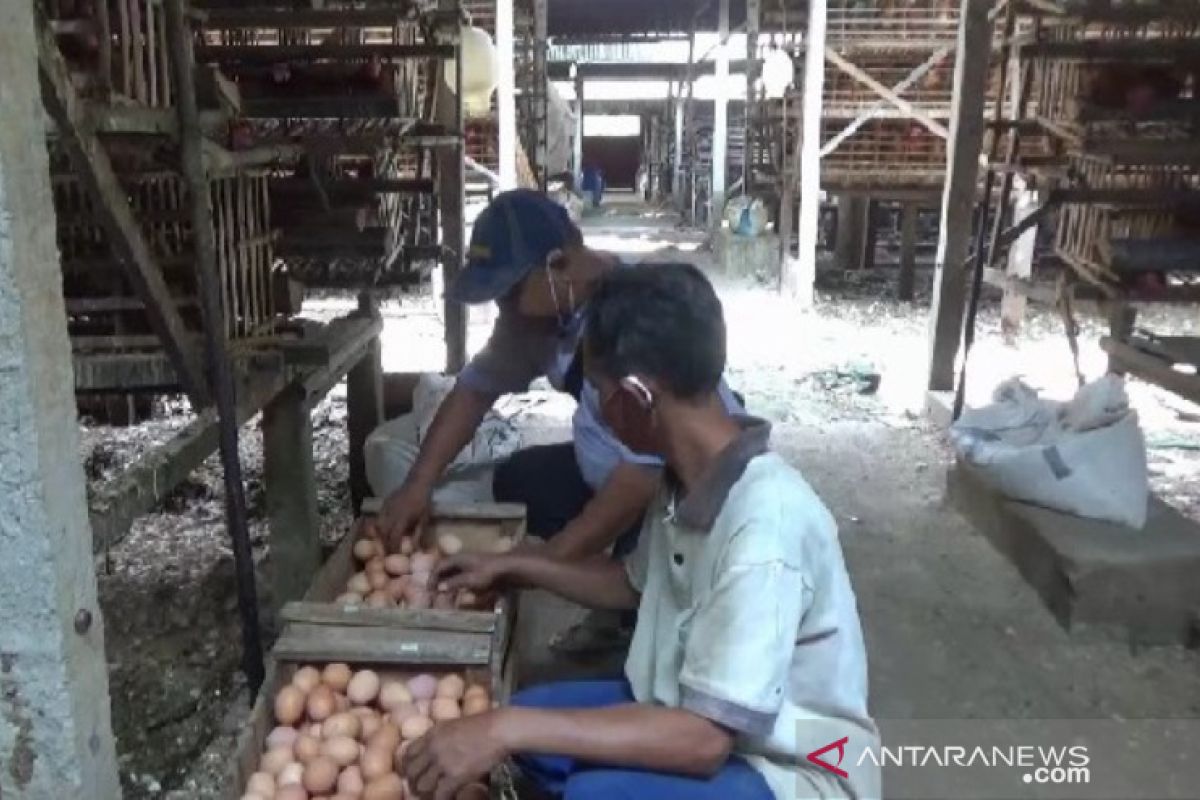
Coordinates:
513 235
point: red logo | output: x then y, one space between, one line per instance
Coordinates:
836 769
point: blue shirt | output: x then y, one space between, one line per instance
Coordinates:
522 349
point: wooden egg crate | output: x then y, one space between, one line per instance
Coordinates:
392 664
319 626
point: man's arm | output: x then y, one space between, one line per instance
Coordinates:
596 583
619 504
453 425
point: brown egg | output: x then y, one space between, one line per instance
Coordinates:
423 686
341 703
370 724
416 727
262 784
351 782
386 787
476 689
348 599
292 774
342 724
380 599
295 791
452 686
314 730
375 565
397 565
273 761
392 694
283 736
407 546
423 563
321 775
396 587
403 712
386 738
363 687
443 601
378 581
336 676
375 763
342 750
289 705
444 708
306 678
450 544
366 549
321 703
476 704
307 748
359 584
255 796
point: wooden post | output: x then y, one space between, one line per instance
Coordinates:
720 119
540 32
56 737
799 275
749 135
870 234
909 213
677 161
959 196
291 495
578 155
451 199
506 100
850 245
364 407
1020 267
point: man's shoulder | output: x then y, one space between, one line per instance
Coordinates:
773 495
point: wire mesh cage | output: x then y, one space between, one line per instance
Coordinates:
885 152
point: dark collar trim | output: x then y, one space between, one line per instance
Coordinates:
699 509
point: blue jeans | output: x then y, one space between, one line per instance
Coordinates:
572 779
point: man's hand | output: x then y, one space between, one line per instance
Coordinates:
453 755
478 572
402 511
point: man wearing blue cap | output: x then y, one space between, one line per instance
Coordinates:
584 495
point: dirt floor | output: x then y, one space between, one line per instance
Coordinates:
952 630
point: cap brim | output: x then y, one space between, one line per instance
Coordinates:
481 283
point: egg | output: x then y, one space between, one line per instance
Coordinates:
444 708
295 791
274 760
336 676
363 687
370 724
386 787
476 704
406 546
423 563
342 750
450 544
424 707
423 686
375 762
306 748
255 796
289 705
306 678
392 694
314 730
476 689
380 599
283 736
262 784
375 565
321 775
443 601
467 599
366 549
452 686
348 599
416 727
396 587
397 565
359 584
342 724
321 703
378 580
403 712
386 738
503 544
291 774
351 782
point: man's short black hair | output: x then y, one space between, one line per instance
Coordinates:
663 321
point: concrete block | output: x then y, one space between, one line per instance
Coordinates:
1139 585
747 256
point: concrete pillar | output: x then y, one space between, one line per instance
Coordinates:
364 413
506 97
55 731
720 118
800 275
578 130
909 212
850 244
960 193
291 496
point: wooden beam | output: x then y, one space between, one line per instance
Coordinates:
909 215
305 17
364 413
358 106
967 125
1159 371
291 496
352 189
720 154
274 54
451 200
124 234
856 72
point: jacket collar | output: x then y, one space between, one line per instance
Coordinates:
700 507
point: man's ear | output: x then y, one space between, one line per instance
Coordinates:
636 387
557 260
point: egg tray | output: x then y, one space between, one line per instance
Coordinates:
252 742
478 526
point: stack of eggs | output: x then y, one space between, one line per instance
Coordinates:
402 580
342 734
